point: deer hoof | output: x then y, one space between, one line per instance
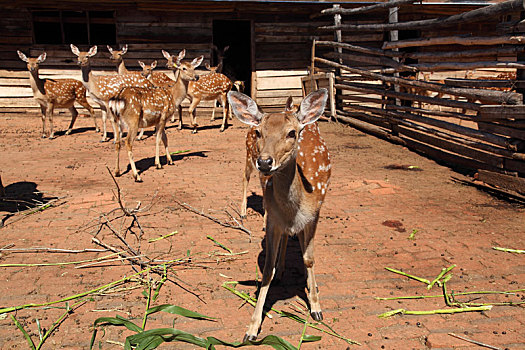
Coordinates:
68 131
317 315
52 137
248 337
158 166
138 179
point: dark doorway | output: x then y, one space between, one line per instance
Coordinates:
236 35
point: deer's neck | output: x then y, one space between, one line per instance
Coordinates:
37 84
285 187
121 67
180 88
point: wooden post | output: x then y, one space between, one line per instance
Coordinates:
394 36
520 73
339 39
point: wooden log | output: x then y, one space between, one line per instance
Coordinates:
363 9
380 61
372 129
458 129
477 15
366 88
489 113
498 51
482 83
441 66
420 111
502 130
455 40
474 94
508 182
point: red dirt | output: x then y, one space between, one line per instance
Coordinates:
369 205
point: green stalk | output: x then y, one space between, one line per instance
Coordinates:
24 332
60 263
518 251
302 334
435 312
162 237
510 292
443 272
423 280
219 244
148 302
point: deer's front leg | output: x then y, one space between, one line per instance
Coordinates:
43 117
272 246
191 110
224 103
49 116
248 169
306 240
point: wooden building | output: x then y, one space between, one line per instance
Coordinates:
269 41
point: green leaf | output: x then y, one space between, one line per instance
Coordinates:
153 336
311 338
117 321
177 310
26 335
271 340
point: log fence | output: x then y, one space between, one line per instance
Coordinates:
444 87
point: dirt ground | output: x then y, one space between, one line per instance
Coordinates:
371 211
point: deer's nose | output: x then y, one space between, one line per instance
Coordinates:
265 164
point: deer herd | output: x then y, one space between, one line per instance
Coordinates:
286 148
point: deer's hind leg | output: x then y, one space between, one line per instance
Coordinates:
74 115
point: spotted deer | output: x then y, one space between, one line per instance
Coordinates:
291 151
102 88
210 87
251 159
184 75
140 108
51 93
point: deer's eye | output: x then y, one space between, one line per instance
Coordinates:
292 134
257 133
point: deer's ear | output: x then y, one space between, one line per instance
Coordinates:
110 49
166 54
154 64
244 108
22 56
181 56
141 64
197 62
93 51
124 49
41 58
289 104
75 50
312 107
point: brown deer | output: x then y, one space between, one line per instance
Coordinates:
293 153
252 154
51 93
102 88
182 71
210 87
140 108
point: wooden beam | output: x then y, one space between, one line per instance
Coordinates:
487 113
480 14
508 182
380 61
481 83
456 40
363 9
441 66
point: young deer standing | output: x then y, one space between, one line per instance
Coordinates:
293 153
102 88
184 75
51 93
140 108
210 87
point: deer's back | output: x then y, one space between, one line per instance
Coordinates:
64 91
210 85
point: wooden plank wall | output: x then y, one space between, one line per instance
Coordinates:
282 35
